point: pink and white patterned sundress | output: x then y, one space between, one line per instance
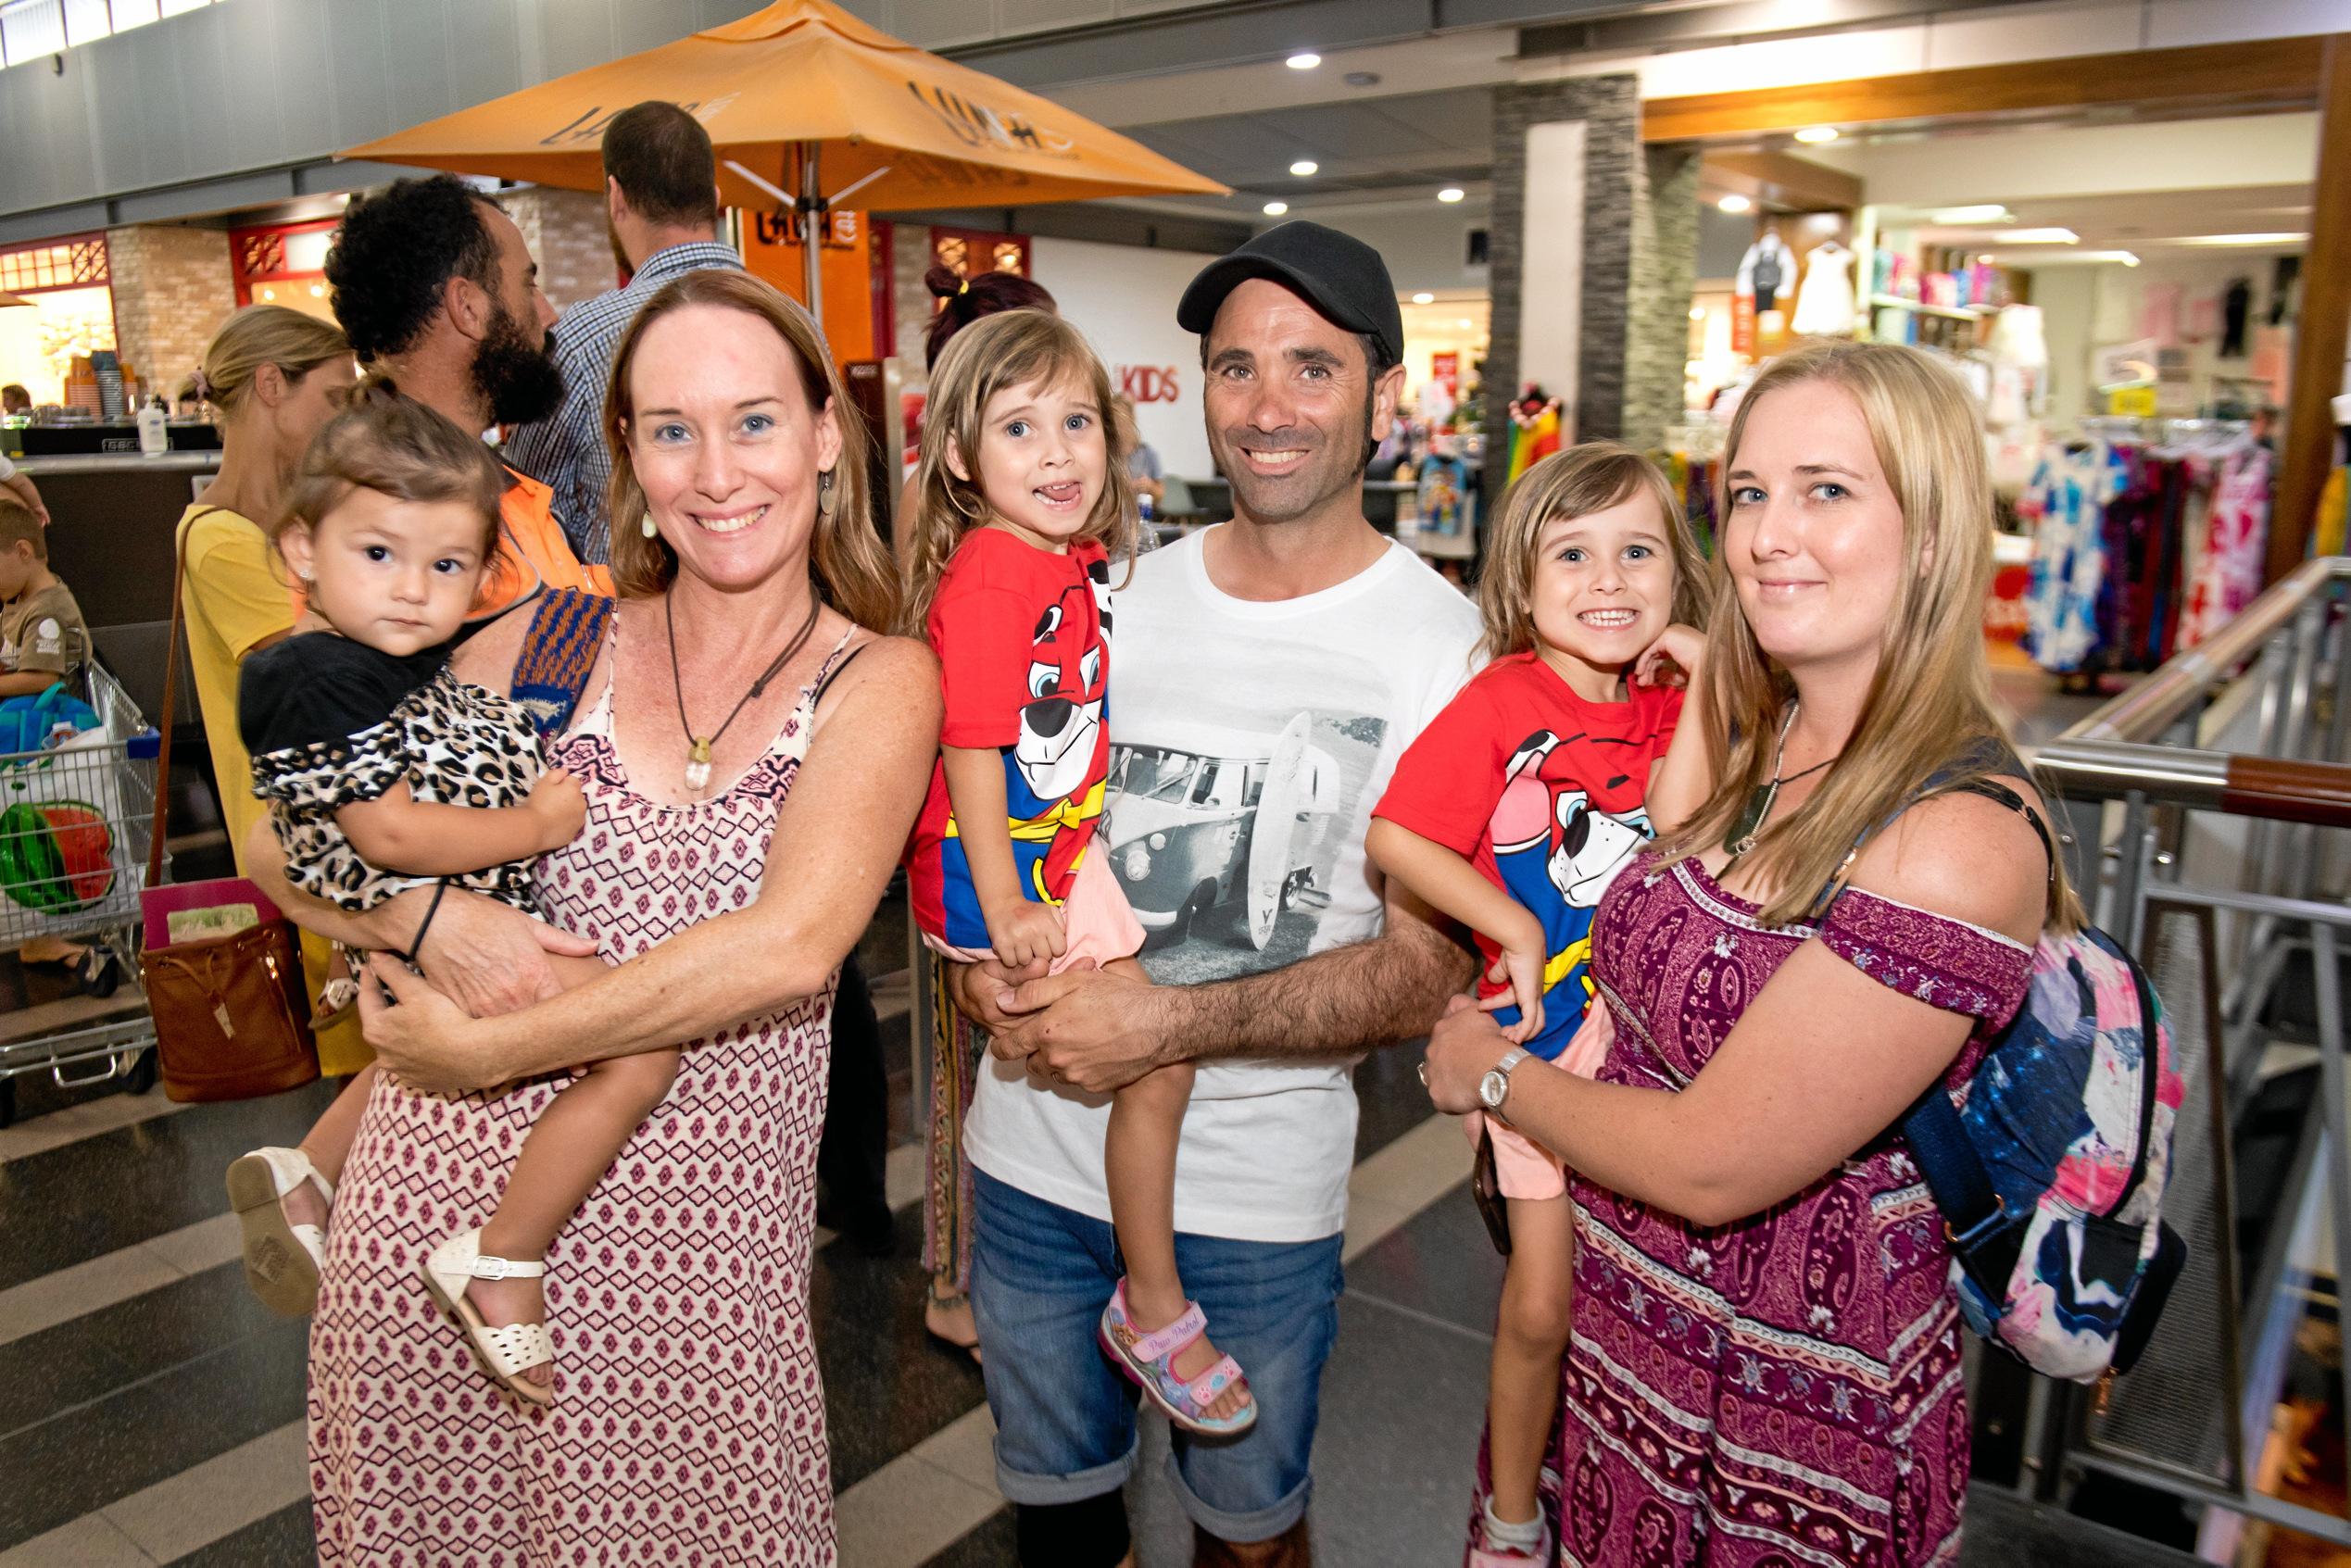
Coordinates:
688 1423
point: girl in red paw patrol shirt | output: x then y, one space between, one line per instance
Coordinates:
1511 812
1021 500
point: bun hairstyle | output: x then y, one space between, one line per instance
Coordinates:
394 447
968 299
258 335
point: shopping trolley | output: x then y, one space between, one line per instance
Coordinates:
76 818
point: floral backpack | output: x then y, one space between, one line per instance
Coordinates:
2049 1164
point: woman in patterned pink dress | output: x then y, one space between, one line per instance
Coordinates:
688 1421
1765 1369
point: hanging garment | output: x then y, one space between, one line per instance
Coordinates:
1767 270
2236 307
2159 314
2067 501
1824 302
2228 574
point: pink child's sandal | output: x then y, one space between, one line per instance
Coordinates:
1150 1359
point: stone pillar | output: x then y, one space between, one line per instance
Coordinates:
172 288
1594 248
571 240
910 303
1664 272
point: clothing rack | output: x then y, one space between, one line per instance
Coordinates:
2149 535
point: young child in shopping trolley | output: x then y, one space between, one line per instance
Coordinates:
1021 499
1511 812
384 772
41 640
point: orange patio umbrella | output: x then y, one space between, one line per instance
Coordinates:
807 106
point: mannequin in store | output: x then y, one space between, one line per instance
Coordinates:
1765 274
1824 302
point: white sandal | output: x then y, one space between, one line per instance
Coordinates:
504 1353
283 1260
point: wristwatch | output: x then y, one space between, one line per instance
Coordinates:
1495 1086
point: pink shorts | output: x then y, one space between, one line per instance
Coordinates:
1523 1168
1096 921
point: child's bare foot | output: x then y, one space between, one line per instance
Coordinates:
1150 1310
504 1302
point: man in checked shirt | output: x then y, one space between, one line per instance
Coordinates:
660 193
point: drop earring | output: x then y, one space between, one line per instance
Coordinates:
647 526
828 499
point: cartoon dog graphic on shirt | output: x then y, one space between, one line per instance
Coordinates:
1046 796
1558 854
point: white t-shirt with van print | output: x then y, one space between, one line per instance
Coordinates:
1250 741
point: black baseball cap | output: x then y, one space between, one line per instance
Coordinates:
1340 276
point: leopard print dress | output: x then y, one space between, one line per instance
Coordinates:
452 742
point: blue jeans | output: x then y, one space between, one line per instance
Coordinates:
1065 1415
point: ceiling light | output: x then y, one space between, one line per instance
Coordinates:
1697 313
1991 212
2067 258
1304 61
2217 240
1468 323
1984 260
1451 193
1735 204
1304 167
1360 79
2039 237
1424 297
1813 135
1275 209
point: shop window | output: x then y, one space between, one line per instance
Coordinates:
283 264
68 264
968 251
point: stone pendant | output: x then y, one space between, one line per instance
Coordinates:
698 765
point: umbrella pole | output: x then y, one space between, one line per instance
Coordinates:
811 210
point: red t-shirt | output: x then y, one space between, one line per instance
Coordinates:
1024 653
1541 791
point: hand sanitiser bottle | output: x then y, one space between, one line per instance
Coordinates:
155 434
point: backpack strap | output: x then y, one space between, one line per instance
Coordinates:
1988 755
1982 1234
559 653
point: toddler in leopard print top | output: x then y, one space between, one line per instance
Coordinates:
384 772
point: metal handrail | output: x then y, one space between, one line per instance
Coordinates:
2130 748
2144 711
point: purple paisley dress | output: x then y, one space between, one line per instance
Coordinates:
1783 1391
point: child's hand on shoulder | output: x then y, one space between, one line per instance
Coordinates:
556 801
1674 659
1027 933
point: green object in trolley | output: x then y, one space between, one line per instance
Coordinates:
56 856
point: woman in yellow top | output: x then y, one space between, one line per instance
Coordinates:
275 376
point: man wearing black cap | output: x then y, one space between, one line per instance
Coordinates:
1268 673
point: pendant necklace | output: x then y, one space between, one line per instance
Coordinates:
698 755
1749 821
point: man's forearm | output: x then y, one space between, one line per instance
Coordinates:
1392 988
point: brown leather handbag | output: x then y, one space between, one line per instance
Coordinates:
232 1018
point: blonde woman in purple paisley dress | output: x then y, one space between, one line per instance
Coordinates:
687 1422
1765 1364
